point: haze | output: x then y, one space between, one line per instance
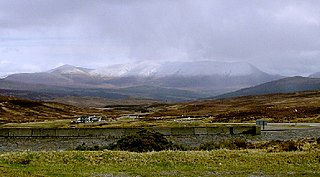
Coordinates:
279 37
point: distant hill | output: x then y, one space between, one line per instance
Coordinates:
286 85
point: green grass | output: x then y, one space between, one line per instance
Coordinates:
164 163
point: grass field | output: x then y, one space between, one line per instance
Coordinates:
164 163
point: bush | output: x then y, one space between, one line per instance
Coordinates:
142 141
290 146
145 141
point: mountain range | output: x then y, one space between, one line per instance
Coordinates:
170 81
215 77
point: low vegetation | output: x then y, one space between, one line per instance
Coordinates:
236 157
306 144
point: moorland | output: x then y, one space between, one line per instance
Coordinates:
254 161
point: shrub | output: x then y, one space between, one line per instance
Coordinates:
144 141
290 146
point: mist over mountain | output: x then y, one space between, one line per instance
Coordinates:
210 76
173 81
315 75
162 69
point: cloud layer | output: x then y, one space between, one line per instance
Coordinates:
277 36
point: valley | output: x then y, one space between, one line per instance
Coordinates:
275 108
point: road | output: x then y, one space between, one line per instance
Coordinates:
284 126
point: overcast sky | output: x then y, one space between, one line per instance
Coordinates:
277 36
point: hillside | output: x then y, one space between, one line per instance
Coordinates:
16 110
286 85
293 107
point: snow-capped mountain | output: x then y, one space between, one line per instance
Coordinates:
144 68
69 69
206 68
218 77
161 69
63 75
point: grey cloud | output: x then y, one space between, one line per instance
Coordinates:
277 36
21 14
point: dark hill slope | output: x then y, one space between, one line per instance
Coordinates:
286 85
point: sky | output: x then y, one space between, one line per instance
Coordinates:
277 36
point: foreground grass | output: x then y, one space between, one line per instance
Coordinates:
165 163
